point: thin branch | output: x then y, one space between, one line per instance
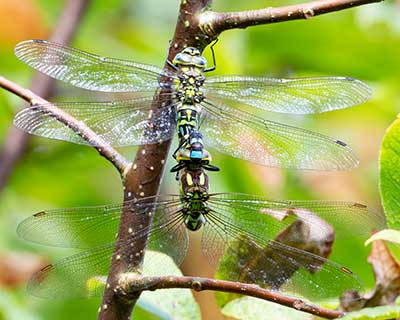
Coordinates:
144 177
213 23
16 141
130 283
195 27
78 127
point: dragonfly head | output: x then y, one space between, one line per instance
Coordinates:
190 56
193 183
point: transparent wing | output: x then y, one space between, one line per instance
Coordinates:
240 241
78 276
349 219
86 227
86 70
269 143
119 123
299 96
83 274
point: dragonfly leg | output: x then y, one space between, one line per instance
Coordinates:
213 57
169 63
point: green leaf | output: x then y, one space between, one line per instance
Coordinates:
167 303
390 174
387 235
377 313
253 308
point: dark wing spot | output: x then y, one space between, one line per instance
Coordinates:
359 205
341 143
48 267
347 270
39 214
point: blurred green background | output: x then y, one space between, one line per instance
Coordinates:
363 42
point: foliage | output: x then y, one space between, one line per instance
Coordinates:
56 174
248 308
378 313
390 174
168 304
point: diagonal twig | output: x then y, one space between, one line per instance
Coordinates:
195 27
78 127
16 141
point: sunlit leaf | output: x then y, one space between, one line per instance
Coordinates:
377 313
390 174
248 308
165 304
176 304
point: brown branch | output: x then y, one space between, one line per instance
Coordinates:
195 27
78 127
131 283
213 23
143 179
16 141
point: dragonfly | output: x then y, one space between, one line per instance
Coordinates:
248 238
224 107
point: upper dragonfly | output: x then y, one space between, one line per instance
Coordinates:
231 130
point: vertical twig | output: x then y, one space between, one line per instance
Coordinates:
143 178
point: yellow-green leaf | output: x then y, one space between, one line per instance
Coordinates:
171 304
377 313
390 174
249 308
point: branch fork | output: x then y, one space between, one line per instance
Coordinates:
196 26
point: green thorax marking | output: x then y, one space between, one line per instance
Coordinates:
191 65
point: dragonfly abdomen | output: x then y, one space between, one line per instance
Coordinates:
187 119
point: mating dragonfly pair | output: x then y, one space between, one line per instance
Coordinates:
247 228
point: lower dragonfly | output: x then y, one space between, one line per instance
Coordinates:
243 235
224 105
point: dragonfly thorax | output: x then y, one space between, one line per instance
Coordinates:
191 65
190 82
